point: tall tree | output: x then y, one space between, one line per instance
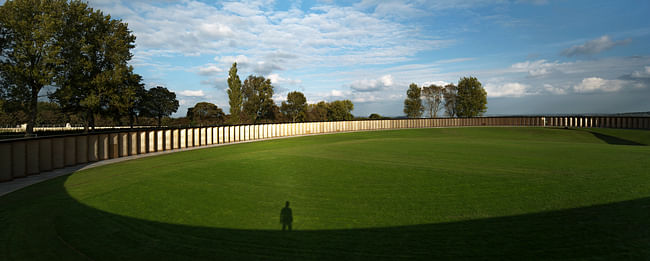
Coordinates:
96 50
235 98
257 99
413 103
340 110
450 94
160 103
433 97
472 98
317 112
205 113
29 51
296 107
126 99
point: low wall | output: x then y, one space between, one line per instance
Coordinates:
22 157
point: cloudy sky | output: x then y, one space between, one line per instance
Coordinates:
532 56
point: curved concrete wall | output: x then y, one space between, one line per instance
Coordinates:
22 157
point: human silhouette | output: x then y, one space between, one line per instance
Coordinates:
286 217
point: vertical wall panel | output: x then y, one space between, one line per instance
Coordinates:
82 149
208 135
6 162
32 154
58 153
123 144
169 145
142 142
18 150
70 151
133 143
113 145
93 148
45 155
159 141
151 137
102 151
182 138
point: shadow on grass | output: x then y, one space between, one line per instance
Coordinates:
44 222
610 139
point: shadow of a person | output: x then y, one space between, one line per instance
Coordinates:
286 217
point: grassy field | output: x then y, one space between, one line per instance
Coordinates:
456 193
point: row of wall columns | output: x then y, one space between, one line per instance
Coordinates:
22 157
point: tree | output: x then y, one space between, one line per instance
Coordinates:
472 98
160 102
127 98
450 95
96 50
235 98
317 112
375 116
295 108
205 113
340 110
257 99
29 51
433 98
413 103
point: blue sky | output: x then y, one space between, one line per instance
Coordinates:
532 56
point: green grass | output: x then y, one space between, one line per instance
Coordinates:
457 193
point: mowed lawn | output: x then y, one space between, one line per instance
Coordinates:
452 193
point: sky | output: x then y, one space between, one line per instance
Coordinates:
532 56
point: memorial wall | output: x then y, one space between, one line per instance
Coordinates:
30 156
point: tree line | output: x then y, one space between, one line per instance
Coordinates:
252 102
467 99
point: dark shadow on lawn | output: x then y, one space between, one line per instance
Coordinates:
41 221
610 139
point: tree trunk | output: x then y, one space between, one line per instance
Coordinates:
33 112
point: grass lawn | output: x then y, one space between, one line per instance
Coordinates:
451 193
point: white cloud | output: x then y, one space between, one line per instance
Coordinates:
643 73
594 46
337 93
210 69
277 79
596 84
367 85
538 68
513 89
268 40
438 83
554 90
190 93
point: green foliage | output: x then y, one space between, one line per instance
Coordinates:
317 112
159 103
472 98
433 96
413 103
258 104
340 110
295 108
375 116
205 113
95 74
30 51
450 94
235 98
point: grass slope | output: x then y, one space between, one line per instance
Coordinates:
458 193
